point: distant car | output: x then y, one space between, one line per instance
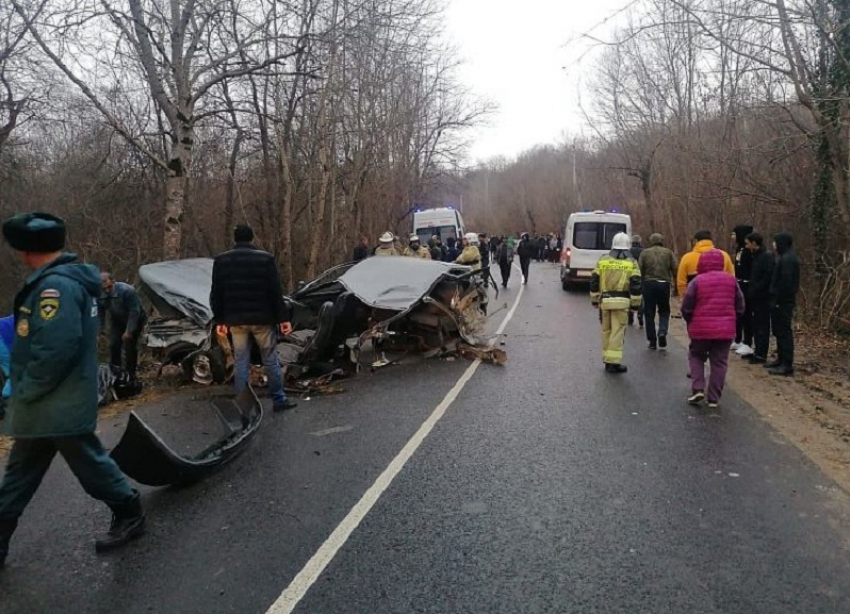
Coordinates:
587 238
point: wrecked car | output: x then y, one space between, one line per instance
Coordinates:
404 304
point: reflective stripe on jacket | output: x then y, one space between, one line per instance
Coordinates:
616 283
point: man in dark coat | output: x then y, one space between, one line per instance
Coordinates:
361 252
758 296
247 301
484 250
121 303
526 251
53 404
784 286
743 345
635 251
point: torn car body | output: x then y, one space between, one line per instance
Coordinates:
404 304
145 457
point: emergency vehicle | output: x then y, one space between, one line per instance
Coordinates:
444 222
587 238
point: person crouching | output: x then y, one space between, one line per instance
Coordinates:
711 306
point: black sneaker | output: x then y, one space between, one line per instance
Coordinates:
781 370
772 364
662 341
612 368
652 346
755 360
284 406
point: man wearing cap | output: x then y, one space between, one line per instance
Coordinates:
53 405
415 249
386 247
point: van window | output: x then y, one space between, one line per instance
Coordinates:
595 235
444 232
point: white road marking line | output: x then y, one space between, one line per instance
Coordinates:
332 430
301 583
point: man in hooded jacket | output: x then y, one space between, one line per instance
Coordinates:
784 286
525 251
53 406
743 271
758 301
688 264
615 288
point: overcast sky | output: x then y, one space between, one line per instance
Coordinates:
514 55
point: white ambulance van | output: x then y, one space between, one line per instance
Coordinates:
587 238
444 222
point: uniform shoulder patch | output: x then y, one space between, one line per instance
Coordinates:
48 308
23 328
50 293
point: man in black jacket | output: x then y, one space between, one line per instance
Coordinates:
526 251
784 285
758 296
743 270
247 300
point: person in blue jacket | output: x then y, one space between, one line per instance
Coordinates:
53 405
7 336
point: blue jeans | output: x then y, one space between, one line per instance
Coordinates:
266 338
97 472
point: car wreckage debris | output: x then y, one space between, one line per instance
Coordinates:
405 304
144 456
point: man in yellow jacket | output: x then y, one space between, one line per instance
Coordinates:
470 255
689 262
415 249
615 288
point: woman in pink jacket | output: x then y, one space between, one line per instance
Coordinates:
711 306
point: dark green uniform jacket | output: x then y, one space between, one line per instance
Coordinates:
54 357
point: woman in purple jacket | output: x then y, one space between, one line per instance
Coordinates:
711 307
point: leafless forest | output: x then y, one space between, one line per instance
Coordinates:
154 126
706 114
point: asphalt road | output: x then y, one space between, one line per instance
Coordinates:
547 486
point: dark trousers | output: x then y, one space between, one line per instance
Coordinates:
780 320
524 263
505 268
97 472
656 298
760 311
130 348
744 324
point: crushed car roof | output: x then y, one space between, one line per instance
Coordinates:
183 285
396 283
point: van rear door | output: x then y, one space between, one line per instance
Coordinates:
589 241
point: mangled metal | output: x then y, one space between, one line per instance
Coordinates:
146 457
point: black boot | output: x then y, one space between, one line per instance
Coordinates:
614 368
7 528
127 524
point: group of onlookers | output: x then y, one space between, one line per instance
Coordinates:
728 304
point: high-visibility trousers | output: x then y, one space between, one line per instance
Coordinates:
614 322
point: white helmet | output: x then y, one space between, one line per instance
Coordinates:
621 241
413 237
472 238
387 237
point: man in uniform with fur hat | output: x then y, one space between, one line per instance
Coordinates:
53 406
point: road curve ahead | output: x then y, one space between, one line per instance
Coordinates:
543 486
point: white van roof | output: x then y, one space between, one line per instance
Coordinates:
593 214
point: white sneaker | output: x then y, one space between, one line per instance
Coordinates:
735 346
744 350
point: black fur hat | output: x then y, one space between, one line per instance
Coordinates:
35 232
